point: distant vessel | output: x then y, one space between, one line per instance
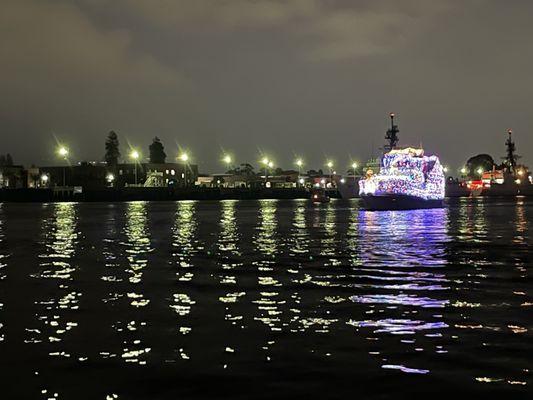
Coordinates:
319 195
407 179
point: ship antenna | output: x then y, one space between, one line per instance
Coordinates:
511 158
392 135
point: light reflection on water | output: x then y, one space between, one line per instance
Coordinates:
57 314
189 287
3 265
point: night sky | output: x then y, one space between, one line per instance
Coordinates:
303 77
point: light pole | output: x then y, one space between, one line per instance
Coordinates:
134 155
299 163
330 166
227 160
266 163
184 157
354 167
63 153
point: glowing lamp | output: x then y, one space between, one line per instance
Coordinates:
184 157
110 177
44 178
299 162
134 155
330 164
62 151
227 159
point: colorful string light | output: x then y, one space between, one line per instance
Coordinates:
407 172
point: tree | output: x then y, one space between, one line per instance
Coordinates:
157 152
243 170
278 171
112 152
481 161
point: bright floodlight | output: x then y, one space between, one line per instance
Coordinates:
63 151
480 170
330 164
520 172
302 180
265 161
184 157
463 170
227 159
445 169
110 177
354 165
299 162
44 178
270 164
134 155
343 180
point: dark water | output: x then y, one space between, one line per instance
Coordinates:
262 299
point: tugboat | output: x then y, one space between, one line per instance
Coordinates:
407 179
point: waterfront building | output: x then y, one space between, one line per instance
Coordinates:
12 177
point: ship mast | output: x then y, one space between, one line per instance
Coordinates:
392 135
511 158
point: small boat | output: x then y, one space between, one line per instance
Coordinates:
407 179
319 195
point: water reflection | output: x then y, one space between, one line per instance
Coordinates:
137 246
331 289
3 265
299 240
401 257
229 256
57 313
185 246
266 242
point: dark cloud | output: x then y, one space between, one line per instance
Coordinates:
308 77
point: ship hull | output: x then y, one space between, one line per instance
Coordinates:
398 202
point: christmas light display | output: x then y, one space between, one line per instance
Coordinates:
406 172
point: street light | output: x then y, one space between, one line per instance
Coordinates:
330 166
463 171
445 169
63 153
299 163
266 162
480 171
44 179
134 155
354 167
185 158
110 178
227 159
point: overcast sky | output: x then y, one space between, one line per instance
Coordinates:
303 77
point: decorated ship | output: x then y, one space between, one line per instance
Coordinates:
407 179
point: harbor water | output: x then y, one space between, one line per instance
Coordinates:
263 299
